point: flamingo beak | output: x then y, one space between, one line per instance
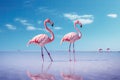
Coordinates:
52 24
81 26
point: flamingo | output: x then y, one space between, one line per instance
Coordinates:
100 50
108 49
43 39
72 37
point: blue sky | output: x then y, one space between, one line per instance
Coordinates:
20 20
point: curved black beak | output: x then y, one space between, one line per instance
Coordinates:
81 26
52 24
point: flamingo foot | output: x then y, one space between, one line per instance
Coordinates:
51 60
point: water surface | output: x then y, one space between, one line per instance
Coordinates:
14 65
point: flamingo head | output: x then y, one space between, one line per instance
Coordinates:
78 22
49 21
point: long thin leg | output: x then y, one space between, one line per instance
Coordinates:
48 54
70 47
73 48
42 68
69 52
74 52
42 54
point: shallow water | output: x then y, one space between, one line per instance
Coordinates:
14 65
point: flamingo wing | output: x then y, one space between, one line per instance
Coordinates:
40 39
70 37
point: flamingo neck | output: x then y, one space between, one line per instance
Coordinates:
78 31
52 34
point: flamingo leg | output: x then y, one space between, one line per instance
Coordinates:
73 48
74 52
70 47
69 52
42 54
48 54
42 68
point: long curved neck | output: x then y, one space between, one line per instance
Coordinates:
52 34
78 31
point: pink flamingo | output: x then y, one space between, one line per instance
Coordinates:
43 39
72 37
100 50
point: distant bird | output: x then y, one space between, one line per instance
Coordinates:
73 36
100 50
43 39
108 49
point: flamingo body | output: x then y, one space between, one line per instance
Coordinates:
70 37
40 39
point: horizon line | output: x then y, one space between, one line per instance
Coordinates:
55 51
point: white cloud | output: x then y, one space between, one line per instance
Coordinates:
23 21
85 19
59 36
46 10
112 15
40 29
39 22
28 3
31 28
57 28
11 27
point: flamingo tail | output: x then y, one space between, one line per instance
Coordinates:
61 42
29 43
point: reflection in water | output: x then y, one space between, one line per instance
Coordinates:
71 75
43 75
90 65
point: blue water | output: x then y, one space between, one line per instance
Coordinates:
88 66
